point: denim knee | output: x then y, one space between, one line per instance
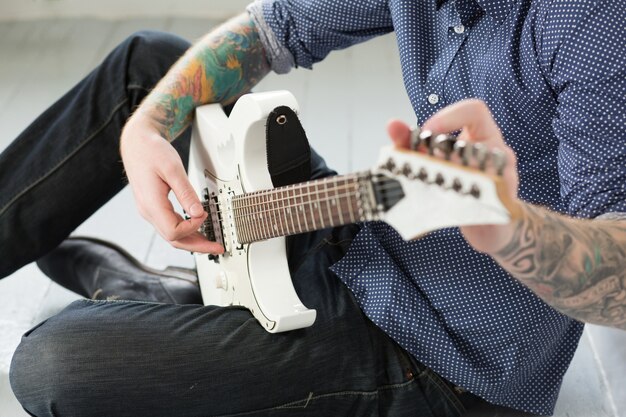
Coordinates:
43 368
32 370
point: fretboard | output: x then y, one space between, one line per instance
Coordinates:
300 208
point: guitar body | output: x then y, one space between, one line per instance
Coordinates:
228 158
413 190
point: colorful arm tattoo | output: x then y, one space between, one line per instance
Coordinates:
577 266
225 64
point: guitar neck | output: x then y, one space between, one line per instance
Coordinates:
304 207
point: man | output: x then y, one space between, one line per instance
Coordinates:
455 311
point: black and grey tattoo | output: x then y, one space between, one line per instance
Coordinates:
577 266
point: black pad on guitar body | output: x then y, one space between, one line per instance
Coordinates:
288 151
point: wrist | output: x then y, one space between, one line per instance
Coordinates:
494 240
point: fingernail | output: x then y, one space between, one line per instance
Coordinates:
196 209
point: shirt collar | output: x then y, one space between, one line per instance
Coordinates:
497 9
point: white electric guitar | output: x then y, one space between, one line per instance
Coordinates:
412 191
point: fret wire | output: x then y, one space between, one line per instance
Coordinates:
309 194
271 216
293 226
249 228
350 209
301 210
277 214
247 223
319 205
256 220
264 220
285 208
277 220
328 204
295 204
244 223
275 203
282 211
340 211
250 214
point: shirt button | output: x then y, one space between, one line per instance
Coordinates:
459 29
433 99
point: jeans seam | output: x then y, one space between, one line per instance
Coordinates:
62 162
445 390
292 405
137 87
94 302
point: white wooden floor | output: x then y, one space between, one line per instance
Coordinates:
344 105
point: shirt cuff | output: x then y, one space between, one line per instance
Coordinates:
280 59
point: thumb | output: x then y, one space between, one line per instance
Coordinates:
184 192
400 133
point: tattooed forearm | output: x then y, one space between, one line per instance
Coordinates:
577 266
228 62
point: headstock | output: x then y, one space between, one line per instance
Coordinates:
441 182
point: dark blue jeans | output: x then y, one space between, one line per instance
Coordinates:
119 358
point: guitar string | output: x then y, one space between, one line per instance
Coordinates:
257 194
269 226
297 204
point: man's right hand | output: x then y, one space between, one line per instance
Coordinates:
223 65
154 168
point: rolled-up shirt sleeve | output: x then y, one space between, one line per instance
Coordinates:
299 33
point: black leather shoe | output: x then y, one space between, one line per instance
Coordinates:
100 270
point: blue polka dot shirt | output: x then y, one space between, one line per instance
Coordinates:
552 72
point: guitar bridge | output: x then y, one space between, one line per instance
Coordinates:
212 228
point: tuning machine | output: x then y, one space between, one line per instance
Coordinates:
498 158
445 144
481 155
462 149
426 140
415 138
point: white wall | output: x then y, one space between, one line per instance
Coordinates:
116 9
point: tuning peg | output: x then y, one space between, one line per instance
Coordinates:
426 139
445 143
439 179
461 150
406 170
481 154
474 191
389 165
499 160
422 175
415 138
457 185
